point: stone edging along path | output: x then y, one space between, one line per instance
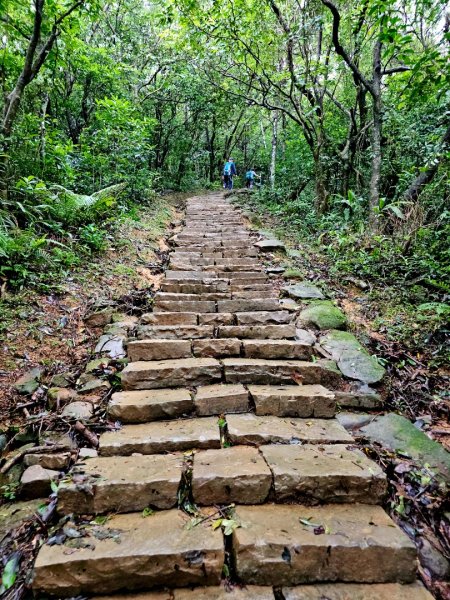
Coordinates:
228 405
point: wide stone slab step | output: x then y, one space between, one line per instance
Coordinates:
175 332
221 399
121 484
328 473
249 592
293 400
159 349
290 545
249 429
238 474
132 552
154 374
273 332
277 349
321 591
169 318
203 306
161 436
262 317
150 405
248 305
261 371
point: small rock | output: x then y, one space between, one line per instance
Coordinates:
81 411
353 420
35 482
62 380
3 441
29 382
275 270
323 314
272 244
59 397
87 453
113 346
55 437
99 318
116 330
305 337
289 304
55 461
95 385
304 290
433 560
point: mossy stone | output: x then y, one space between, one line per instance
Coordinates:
397 434
324 315
352 358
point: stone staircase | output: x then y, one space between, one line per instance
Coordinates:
226 407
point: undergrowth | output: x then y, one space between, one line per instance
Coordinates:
406 266
45 231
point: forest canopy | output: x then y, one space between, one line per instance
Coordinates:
342 107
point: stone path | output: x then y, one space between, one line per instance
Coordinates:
225 402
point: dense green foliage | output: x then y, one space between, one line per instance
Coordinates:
343 108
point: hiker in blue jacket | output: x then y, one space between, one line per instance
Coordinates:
229 171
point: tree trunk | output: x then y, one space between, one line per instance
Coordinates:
273 154
425 177
43 130
322 194
376 138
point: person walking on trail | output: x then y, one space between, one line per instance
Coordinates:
229 171
250 178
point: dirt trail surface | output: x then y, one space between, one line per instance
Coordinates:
223 467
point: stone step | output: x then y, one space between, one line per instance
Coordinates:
197 306
121 484
144 375
160 349
216 348
161 436
248 276
262 317
176 332
209 296
238 475
150 405
328 473
248 305
248 294
289 545
250 287
216 319
257 331
302 401
278 372
220 399
132 552
276 349
311 473
321 591
193 287
249 592
249 429
169 318
354 591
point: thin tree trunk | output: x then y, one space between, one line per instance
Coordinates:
425 177
376 137
43 130
273 155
